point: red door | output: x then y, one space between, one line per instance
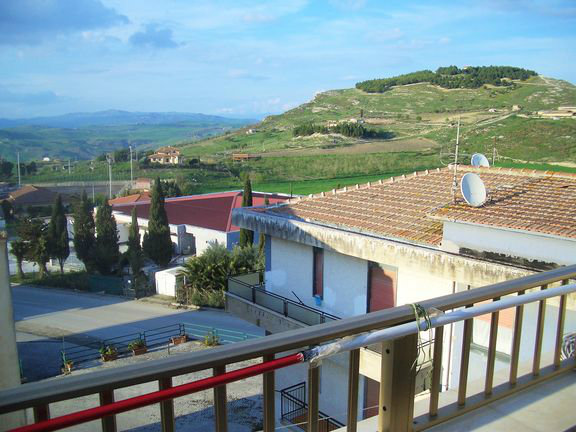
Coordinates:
381 287
371 398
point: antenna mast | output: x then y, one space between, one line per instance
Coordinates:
454 178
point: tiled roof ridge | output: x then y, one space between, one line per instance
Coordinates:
468 168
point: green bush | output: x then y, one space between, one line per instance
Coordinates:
72 280
207 298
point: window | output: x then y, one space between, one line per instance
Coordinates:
318 273
381 286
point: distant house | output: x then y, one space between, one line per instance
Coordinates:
32 196
561 112
129 199
45 159
166 156
143 184
195 220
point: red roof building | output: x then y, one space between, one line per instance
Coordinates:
202 218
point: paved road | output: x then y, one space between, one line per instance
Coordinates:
57 313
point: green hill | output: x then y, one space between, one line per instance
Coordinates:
405 128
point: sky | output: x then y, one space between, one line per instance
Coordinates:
250 58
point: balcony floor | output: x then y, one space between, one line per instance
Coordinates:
547 407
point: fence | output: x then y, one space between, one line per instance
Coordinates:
294 409
255 293
108 284
152 338
397 405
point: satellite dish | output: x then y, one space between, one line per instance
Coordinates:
479 160
473 189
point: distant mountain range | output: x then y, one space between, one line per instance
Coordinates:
119 118
86 135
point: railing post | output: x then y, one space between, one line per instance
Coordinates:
515 353
285 308
436 370
108 422
560 329
269 398
465 361
220 401
403 383
385 395
313 391
253 294
41 413
539 335
353 378
166 407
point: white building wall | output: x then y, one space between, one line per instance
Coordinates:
512 243
414 286
345 284
291 271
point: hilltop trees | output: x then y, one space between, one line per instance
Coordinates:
157 243
134 252
451 77
58 241
246 236
84 232
106 250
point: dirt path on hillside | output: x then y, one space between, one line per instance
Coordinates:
390 146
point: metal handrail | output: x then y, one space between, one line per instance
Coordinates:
100 381
259 288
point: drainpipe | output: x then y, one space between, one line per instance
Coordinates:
10 370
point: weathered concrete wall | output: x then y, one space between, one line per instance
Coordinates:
262 317
510 243
422 259
9 365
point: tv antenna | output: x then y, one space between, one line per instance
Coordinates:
473 190
454 177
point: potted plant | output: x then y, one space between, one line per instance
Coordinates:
67 367
137 346
108 352
177 340
211 339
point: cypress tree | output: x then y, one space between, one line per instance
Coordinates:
84 232
34 233
246 236
135 252
107 250
58 242
157 243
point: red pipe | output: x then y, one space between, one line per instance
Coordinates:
159 396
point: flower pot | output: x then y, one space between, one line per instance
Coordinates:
139 351
109 357
177 340
67 368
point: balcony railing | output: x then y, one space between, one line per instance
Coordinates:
248 288
294 410
396 406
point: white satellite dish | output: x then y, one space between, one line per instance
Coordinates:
473 189
479 160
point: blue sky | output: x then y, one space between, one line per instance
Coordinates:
248 58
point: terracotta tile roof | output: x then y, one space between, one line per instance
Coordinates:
412 207
142 196
212 211
33 195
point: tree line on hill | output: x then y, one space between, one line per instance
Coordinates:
451 77
348 129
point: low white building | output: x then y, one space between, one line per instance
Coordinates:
404 240
169 281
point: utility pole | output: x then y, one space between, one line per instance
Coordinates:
455 179
69 169
19 178
131 169
93 194
109 159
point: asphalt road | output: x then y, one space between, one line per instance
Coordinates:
57 313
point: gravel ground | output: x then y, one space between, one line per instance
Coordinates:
194 412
